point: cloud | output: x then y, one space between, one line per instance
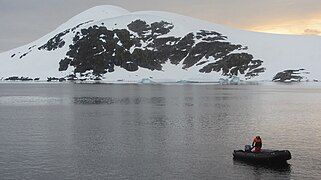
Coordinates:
312 32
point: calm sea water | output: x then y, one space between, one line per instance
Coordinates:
103 131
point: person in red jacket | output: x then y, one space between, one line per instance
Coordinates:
257 144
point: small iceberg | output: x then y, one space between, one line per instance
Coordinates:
234 80
223 81
147 81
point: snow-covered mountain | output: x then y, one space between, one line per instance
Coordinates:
113 44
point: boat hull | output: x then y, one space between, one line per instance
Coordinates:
266 156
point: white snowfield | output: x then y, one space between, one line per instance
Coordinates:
278 52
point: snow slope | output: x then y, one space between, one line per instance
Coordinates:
278 52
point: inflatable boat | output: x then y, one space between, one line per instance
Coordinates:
265 156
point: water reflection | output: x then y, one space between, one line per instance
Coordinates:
29 100
262 170
155 132
156 101
282 167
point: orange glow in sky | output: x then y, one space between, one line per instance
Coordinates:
306 26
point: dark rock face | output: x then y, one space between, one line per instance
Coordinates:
12 78
54 43
62 79
99 50
57 41
16 78
233 64
290 76
31 47
145 46
24 54
49 79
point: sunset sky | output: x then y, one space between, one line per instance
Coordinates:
23 21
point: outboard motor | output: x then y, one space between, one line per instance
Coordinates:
247 148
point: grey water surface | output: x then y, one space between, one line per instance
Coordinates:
108 131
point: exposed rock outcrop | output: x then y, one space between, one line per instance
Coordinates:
290 76
99 50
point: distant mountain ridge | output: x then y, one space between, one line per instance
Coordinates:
109 43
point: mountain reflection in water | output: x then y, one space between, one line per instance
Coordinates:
76 131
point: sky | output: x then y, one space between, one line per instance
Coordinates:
23 21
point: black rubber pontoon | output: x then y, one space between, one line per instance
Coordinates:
265 156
